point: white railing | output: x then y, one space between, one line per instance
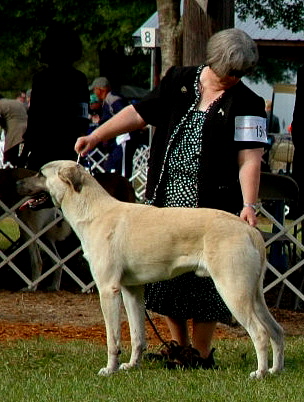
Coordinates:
288 235
16 246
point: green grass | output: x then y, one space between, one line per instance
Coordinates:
47 370
11 229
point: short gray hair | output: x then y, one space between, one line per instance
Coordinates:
231 52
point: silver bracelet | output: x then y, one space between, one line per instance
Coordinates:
254 206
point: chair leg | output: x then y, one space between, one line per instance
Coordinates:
279 298
287 257
297 299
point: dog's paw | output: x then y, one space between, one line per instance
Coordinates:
106 371
275 370
127 366
258 374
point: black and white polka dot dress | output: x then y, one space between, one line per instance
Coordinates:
183 164
186 296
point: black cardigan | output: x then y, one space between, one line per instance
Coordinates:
164 108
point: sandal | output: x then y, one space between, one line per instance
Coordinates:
169 351
175 356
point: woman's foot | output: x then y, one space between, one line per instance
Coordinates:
175 356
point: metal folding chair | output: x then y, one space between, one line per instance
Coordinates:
277 191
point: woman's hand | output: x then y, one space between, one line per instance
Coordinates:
248 215
84 145
125 121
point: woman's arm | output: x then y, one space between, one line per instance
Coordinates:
123 122
249 174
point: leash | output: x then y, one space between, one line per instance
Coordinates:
155 329
85 163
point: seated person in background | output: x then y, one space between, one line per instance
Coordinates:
13 120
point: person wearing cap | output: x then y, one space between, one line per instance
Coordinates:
110 104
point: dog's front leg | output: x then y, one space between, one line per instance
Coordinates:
133 297
110 300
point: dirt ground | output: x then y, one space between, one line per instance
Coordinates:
67 315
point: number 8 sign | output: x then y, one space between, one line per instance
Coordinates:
149 37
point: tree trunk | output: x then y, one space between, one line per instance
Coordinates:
201 19
183 40
170 27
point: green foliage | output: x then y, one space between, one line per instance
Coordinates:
47 370
268 14
271 12
274 71
11 230
101 24
106 28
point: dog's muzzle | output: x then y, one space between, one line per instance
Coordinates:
39 201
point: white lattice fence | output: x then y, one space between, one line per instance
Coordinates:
96 158
139 172
289 231
9 255
19 246
289 258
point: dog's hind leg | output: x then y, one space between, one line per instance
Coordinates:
35 260
274 330
241 289
58 232
133 297
57 274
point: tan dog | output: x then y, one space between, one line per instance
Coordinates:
128 245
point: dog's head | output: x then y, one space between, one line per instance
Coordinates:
8 180
54 178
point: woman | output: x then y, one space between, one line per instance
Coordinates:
206 152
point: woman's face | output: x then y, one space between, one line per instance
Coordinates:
229 81
225 82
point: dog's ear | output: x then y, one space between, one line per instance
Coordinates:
72 176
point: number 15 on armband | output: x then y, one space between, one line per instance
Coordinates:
250 128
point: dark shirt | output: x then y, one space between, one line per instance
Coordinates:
57 116
218 172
